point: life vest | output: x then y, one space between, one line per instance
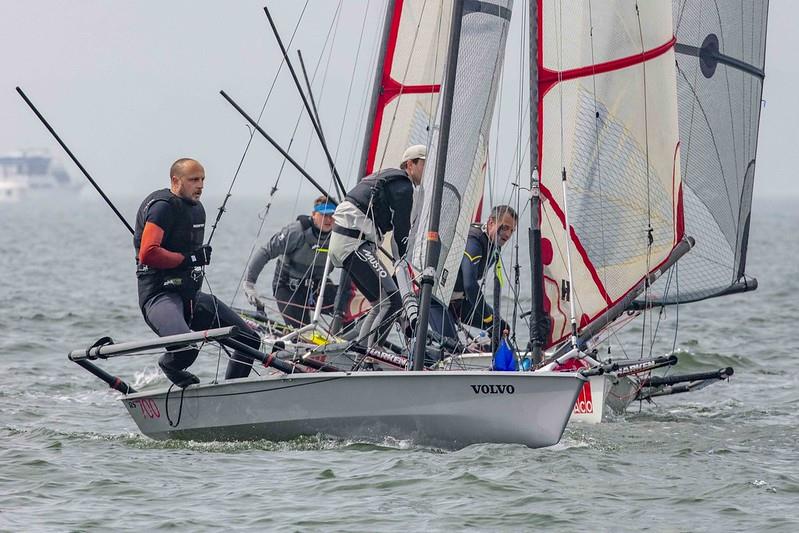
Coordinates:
184 234
487 257
306 265
370 190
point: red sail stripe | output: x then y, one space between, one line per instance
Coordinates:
391 88
547 79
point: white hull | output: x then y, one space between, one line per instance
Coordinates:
600 395
450 409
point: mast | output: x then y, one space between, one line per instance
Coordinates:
538 320
381 60
345 280
433 247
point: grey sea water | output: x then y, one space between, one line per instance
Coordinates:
722 459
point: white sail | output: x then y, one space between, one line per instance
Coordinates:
410 81
407 89
720 54
608 119
484 30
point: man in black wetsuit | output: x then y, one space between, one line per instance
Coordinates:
380 203
170 256
483 247
301 252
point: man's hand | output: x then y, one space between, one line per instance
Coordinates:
252 295
199 257
504 327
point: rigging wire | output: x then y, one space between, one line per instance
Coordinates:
252 132
274 189
566 224
649 230
351 82
598 159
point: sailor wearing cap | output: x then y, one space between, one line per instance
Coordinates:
380 203
301 250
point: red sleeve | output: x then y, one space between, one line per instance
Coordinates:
152 254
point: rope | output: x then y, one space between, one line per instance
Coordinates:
180 408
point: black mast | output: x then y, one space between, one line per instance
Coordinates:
433 243
538 322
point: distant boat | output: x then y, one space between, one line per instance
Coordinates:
32 171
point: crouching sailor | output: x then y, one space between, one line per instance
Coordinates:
170 256
483 246
380 203
301 251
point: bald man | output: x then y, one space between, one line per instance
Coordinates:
170 262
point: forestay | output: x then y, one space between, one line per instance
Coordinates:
608 119
484 29
720 69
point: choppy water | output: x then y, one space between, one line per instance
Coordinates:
722 459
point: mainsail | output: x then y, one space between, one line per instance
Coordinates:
608 127
405 95
409 80
720 54
406 108
484 30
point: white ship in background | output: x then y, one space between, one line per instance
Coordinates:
32 171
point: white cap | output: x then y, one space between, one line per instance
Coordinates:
417 151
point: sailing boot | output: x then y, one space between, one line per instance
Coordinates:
181 378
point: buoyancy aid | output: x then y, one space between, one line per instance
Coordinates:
184 233
306 265
478 248
370 190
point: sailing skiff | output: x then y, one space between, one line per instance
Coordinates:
449 409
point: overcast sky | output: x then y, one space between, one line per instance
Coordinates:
131 86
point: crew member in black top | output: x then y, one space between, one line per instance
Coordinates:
170 257
380 203
483 247
301 251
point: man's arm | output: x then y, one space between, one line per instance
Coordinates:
286 241
151 253
400 198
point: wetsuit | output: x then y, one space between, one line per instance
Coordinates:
301 250
380 203
169 229
468 302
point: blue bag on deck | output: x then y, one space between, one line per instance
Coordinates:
504 359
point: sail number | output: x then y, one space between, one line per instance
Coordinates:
149 409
